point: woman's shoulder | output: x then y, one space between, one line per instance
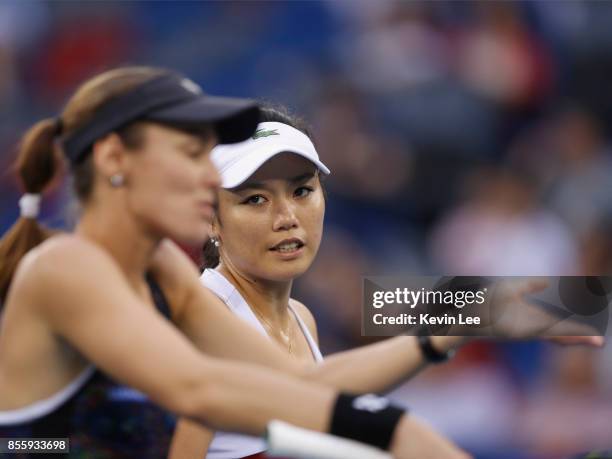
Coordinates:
52 272
304 313
63 243
175 272
170 259
62 254
70 250
171 266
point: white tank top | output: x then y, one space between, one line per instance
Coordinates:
227 445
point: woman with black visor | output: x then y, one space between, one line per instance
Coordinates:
99 321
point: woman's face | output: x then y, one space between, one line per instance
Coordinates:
171 183
270 227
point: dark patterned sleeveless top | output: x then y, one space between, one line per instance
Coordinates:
101 418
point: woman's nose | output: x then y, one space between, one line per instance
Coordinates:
210 175
285 217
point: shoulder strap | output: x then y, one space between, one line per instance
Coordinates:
161 304
232 298
314 349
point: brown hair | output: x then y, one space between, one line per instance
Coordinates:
39 157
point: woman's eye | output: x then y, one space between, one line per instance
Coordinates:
303 191
195 154
255 199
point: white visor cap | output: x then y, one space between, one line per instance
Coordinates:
238 161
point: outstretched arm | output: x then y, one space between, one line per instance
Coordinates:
190 440
94 309
374 368
209 324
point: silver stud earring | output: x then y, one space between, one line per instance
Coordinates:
215 241
116 180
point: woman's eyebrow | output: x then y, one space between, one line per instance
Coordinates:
261 185
248 186
190 145
302 177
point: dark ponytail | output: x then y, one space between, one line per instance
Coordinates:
210 255
39 158
37 164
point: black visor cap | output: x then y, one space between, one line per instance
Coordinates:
172 99
234 120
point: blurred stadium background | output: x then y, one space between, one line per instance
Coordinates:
464 138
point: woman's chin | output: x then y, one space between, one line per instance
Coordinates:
190 238
288 271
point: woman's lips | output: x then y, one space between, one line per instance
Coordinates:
206 208
289 248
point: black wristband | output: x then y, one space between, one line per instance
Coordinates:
430 353
367 418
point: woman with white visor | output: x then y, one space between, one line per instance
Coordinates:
265 233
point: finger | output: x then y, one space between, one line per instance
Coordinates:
573 329
534 284
596 341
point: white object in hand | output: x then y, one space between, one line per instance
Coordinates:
290 441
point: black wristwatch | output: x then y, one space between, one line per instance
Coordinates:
430 353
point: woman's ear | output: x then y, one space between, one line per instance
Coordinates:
109 156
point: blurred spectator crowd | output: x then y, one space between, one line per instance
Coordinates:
463 138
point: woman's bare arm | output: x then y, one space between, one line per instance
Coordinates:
81 293
190 440
215 330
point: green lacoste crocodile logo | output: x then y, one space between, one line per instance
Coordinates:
259 133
